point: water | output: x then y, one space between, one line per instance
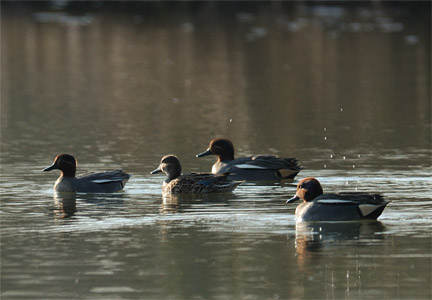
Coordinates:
344 88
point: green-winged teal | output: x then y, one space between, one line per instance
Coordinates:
105 182
251 168
193 183
317 206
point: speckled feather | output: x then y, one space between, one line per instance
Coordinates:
199 183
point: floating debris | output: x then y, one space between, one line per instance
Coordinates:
62 18
244 17
256 33
188 27
411 39
325 11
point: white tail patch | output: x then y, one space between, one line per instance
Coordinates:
366 209
285 172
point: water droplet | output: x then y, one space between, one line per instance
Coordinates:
230 121
344 158
331 155
325 128
359 155
341 109
325 166
325 138
353 166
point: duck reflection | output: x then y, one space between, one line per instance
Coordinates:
182 202
313 237
64 204
102 199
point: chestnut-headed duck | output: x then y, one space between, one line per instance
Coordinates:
317 206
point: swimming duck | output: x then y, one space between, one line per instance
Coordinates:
105 182
252 168
317 206
196 183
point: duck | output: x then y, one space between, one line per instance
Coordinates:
104 182
193 183
347 206
251 168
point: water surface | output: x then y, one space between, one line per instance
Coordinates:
346 89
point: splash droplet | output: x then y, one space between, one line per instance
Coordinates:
325 138
230 120
344 158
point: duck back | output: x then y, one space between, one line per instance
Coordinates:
198 183
259 168
342 207
104 182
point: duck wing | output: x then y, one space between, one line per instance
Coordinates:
202 183
369 206
351 197
268 162
106 177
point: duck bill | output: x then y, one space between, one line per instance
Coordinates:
205 153
52 167
155 171
293 199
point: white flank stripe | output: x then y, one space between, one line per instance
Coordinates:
334 201
246 166
366 209
102 180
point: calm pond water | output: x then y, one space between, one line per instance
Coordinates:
346 89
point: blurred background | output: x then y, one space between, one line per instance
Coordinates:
130 81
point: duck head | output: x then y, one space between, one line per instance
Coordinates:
66 163
222 148
170 165
307 190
